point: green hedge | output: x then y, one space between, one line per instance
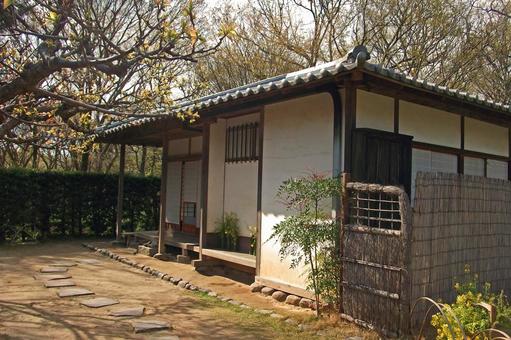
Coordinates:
38 205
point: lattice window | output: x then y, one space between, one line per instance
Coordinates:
242 143
189 209
374 209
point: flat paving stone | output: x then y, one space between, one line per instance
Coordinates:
59 283
53 270
63 264
140 326
49 277
99 302
68 292
89 261
128 311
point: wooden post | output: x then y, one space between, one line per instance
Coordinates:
260 140
345 178
203 231
120 194
163 197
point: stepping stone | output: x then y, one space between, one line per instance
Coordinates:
140 326
89 261
59 283
68 292
50 277
99 302
129 311
63 264
53 270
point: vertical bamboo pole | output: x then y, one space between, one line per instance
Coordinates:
345 177
120 193
163 197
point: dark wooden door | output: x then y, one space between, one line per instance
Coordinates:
382 157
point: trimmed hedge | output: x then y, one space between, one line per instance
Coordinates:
37 205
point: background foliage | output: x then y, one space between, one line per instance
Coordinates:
37 205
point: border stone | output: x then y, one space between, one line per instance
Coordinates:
293 300
267 291
279 296
256 287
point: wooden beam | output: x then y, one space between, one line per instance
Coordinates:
455 151
185 158
203 227
120 193
259 222
163 196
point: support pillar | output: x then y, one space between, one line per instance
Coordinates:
120 194
163 198
204 188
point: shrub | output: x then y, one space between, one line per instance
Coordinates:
310 235
36 205
473 318
228 230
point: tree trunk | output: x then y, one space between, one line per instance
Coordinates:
143 161
34 157
84 163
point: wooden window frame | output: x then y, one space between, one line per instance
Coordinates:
241 143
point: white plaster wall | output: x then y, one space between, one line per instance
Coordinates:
375 111
429 125
485 137
179 147
173 192
216 173
241 193
250 118
298 140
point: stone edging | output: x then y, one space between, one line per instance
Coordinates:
283 296
177 281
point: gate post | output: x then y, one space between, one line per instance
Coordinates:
345 177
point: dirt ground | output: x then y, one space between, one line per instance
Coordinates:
28 310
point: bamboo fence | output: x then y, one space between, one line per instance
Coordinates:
458 222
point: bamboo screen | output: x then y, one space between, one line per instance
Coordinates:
458 221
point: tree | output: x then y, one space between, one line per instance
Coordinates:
68 66
310 235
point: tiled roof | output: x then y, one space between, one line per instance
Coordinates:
323 71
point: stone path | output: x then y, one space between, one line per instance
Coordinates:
55 275
99 302
49 277
70 292
127 311
149 325
53 270
59 283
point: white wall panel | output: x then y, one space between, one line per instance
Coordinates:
429 125
173 192
298 140
485 137
375 111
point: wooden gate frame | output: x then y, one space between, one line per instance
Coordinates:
404 233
